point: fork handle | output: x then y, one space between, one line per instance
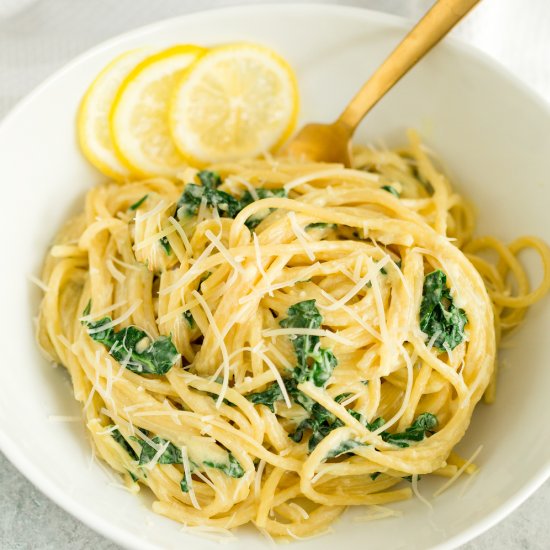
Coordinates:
437 22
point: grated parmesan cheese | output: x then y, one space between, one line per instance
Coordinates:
189 478
145 216
117 275
118 320
418 494
294 331
326 174
291 282
258 479
299 509
259 263
203 478
182 235
301 236
223 250
406 397
459 472
154 238
103 312
221 344
314 536
378 512
38 282
134 267
191 273
360 284
352 314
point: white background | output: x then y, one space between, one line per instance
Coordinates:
46 35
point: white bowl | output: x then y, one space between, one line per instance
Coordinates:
494 136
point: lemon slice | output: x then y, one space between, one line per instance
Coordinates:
236 101
139 115
94 134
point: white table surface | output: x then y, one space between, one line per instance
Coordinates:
43 37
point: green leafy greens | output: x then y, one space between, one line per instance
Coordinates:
267 397
343 448
188 316
227 205
320 225
173 455
132 347
119 438
314 363
439 317
138 203
424 424
165 243
321 422
232 468
253 221
190 201
391 189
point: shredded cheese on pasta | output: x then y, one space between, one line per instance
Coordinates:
282 425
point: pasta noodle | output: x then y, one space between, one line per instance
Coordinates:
283 342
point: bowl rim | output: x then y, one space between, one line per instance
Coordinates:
71 504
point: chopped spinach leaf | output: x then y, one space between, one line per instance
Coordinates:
374 475
342 397
203 278
87 309
321 422
391 189
188 316
374 425
268 397
119 438
423 425
314 363
232 468
190 200
299 397
138 203
439 317
184 486
324 363
253 221
165 243
262 193
215 396
209 179
320 225
171 455
133 476
343 448
133 347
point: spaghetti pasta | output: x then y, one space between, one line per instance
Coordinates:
277 340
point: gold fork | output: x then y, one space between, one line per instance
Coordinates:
332 142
